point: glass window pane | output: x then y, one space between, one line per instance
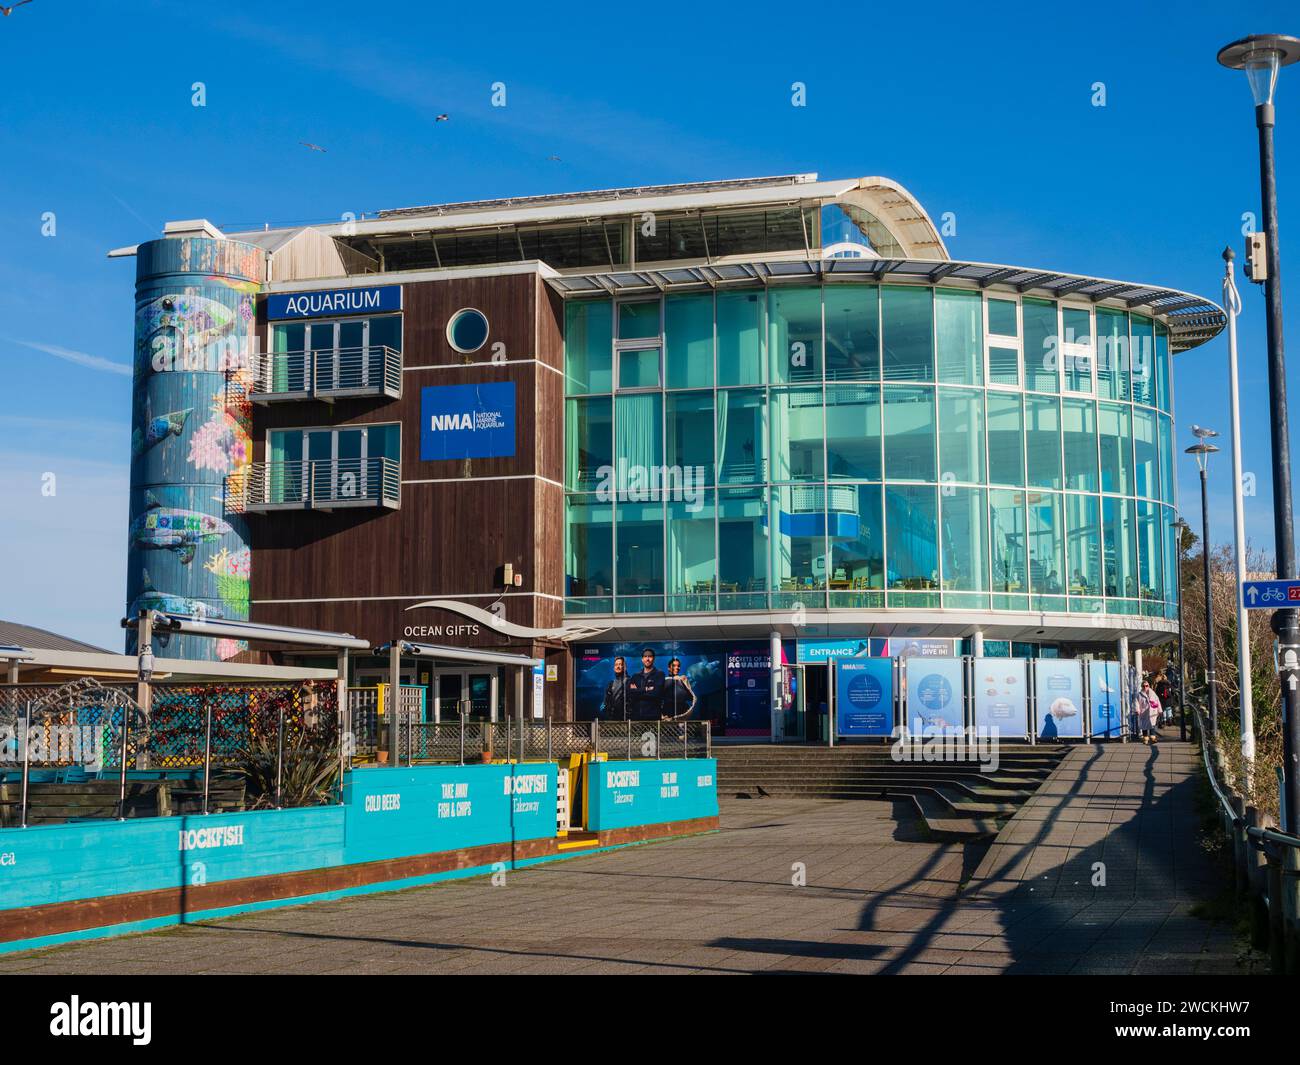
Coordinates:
1043 441
1172 557
1004 366
742 436
1146 454
1142 360
1008 541
1119 548
1151 576
1046 544
852 333
1006 439
588 346
638 436
1002 318
909 433
799 546
589 554
794 333
1083 544
853 432
742 548
1076 349
1042 358
639 551
638 369
688 341
589 441
1166 447
857 540
798 434
689 437
912 546
1079 421
965 547
961 435
692 554
1164 389
908 333
1115 425
1112 353
637 321
740 338
959 338
386 332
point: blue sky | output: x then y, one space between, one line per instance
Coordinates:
978 110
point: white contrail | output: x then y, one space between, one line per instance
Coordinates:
93 362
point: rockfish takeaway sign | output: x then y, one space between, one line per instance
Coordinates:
330 302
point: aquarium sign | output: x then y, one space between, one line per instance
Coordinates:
329 303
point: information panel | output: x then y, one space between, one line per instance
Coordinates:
1059 692
1107 706
864 696
1001 697
935 695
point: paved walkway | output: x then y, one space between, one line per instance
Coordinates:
880 897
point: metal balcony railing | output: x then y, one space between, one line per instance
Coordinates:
329 484
374 370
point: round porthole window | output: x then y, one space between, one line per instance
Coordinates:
468 330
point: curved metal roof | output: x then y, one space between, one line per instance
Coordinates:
1190 319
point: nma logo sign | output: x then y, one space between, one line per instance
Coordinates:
467 421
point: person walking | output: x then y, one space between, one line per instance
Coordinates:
1148 713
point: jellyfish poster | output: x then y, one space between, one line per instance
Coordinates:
935 696
1000 696
1058 691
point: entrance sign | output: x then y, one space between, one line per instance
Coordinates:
1107 717
1269 595
1059 693
817 652
1000 695
935 695
864 696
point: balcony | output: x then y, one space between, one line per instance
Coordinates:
329 484
375 370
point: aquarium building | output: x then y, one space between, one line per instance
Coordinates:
731 421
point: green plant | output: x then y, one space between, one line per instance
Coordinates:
310 771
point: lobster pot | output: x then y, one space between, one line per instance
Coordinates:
195 334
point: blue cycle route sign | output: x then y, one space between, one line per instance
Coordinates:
1270 595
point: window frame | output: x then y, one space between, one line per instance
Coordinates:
999 340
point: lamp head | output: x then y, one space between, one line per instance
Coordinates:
1261 56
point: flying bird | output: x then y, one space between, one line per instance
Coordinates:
442 118
313 147
7 11
553 159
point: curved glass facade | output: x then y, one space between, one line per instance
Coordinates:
863 446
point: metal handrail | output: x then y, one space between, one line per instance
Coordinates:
322 372
312 482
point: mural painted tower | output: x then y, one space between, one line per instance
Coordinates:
190 421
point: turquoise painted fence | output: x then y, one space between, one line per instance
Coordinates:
624 794
386 814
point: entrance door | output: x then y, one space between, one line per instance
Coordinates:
795 715
475 694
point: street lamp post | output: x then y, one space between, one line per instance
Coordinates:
1203 451
1181 527
1261 56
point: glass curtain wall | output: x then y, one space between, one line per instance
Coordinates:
858 446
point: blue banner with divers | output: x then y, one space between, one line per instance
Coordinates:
329 303
864 696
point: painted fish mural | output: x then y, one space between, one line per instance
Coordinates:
150 598
173 529
156 430
175 326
